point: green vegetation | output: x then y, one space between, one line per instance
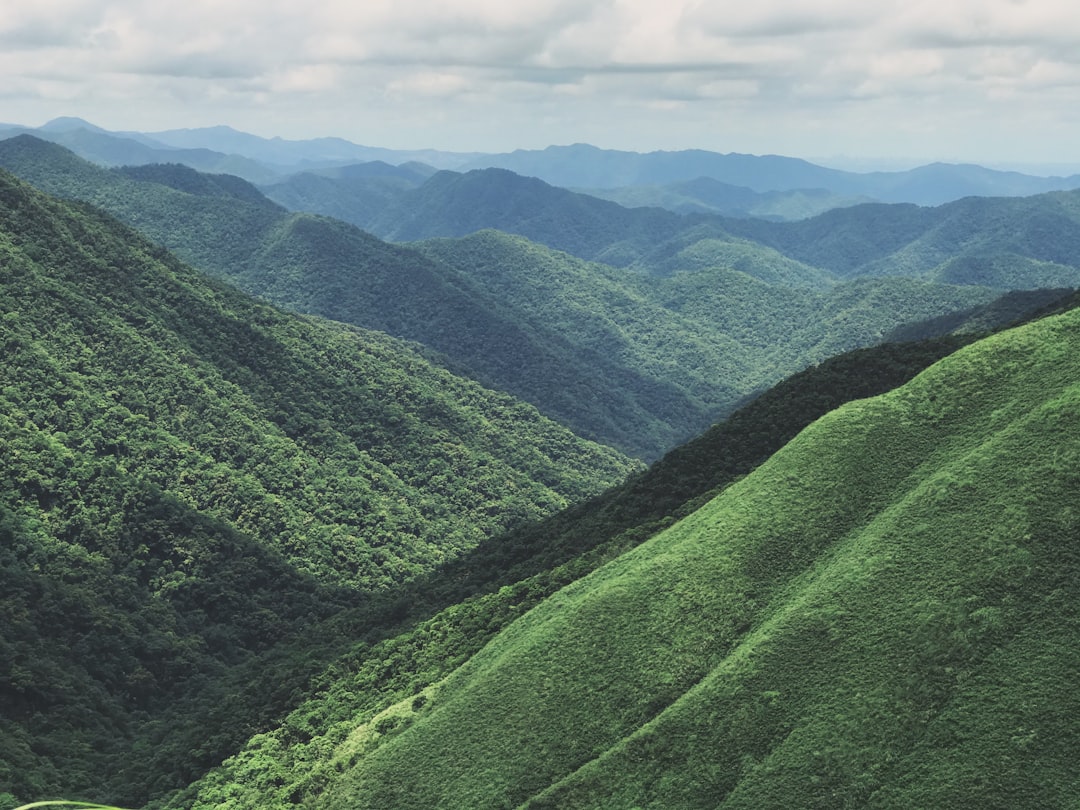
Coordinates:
1002 242
621 357
881 615
1009 243
225 530
699 341
203 500
502 579
357 194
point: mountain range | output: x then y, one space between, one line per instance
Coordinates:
371 528
636 360
264 160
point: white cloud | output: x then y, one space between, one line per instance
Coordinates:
769 75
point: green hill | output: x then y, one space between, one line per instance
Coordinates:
357 194
321 266
717 333
454 612
204 498
881 615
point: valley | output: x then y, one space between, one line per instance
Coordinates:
344 477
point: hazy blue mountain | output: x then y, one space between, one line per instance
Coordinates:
68 123
584 166
298 153
1002 242
129 149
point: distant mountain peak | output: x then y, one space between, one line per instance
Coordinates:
68 123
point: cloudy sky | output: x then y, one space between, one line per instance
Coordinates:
991 81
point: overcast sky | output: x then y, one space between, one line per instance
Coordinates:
990 81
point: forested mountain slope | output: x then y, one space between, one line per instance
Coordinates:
884 614
634 362
322 266
194 483
713 332
357 193
1003 242
1009 243
453 613
453 204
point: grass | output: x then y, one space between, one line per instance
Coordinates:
868 620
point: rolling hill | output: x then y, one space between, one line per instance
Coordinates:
1010 243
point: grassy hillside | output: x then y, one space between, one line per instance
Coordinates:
469 600
195 483
882 615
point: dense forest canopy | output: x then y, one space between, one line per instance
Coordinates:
193 479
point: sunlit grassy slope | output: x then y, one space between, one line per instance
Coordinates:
883 615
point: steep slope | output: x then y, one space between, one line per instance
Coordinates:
882 615
469 600
193 483
321 266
